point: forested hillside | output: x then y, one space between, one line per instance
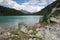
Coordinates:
4 11
48 9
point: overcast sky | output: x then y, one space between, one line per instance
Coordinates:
28 5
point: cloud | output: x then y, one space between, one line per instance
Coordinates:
33 8
33 2
1 1
11 4
31 5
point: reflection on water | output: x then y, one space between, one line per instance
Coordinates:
12 21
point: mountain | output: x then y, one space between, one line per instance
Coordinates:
4 11
25 12
47 10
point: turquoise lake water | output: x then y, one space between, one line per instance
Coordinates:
19 18
29 20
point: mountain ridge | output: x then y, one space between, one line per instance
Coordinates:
4 11
48 9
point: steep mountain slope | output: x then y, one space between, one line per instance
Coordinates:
4 11
48 9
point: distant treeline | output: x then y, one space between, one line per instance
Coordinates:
8 11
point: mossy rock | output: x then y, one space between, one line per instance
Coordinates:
34 32
38 38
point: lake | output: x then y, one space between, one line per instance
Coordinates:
9 21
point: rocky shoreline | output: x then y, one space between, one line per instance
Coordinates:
51 32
